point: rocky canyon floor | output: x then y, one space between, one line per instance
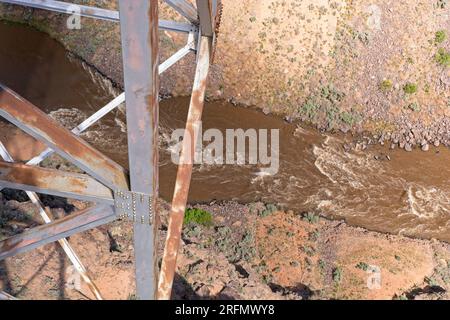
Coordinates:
250 251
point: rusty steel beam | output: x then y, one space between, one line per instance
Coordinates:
54 182
207 13
62 228
71 254
185 8
36 123
140 48
175 26
184 174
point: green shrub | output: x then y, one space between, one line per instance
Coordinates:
348 118
309 251
443 57
410 88
414 107
197 216
431 281
314 236
322 265
337 275
362 266
311 218
309 109
269 209
440 36
386 85
332 114
441 4
331 94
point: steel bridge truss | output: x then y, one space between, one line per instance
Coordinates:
116 192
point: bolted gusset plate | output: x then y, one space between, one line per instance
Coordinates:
127 204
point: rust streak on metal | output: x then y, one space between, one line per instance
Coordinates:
38 176
184 174
207 17
140 43
153 109
38 124
53 181
56 229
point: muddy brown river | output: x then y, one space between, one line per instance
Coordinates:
408 194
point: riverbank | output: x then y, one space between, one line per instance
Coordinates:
330 64
244 252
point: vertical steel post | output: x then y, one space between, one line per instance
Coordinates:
140 49
183 181
207 13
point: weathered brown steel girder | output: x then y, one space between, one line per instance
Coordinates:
184 174
54 182
140 43
39 125
62 228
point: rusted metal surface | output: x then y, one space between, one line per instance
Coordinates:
140 43
39 125
185 8
129 204
139 29
68 250
184 173
62 228
207 13
54 182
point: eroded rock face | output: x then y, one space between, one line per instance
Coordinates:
339 64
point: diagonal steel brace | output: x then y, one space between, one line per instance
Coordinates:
74 259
